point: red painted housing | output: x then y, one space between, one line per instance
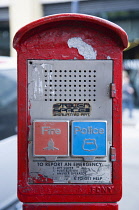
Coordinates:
47 38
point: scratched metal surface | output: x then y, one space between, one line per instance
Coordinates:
72 81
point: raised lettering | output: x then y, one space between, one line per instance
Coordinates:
101 190
84 131
57 131
88 130
101 131
76 129
44 129
95 131
51 131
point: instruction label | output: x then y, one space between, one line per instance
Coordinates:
73 172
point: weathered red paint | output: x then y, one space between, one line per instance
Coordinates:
71 206
47 38
40 179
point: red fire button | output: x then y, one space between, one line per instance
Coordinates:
51 138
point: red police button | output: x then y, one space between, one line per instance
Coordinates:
51 138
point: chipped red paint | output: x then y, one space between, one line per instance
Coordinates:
47 38
40 179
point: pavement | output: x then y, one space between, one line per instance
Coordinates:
130 144
134 121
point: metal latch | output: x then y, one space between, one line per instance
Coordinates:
112 90
112 154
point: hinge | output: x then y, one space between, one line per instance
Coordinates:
112 90
112 154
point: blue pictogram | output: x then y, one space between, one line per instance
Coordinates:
89 138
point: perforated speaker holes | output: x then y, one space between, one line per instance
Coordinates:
70 85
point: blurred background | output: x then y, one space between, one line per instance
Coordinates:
16 13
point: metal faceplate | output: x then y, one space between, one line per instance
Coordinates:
70 91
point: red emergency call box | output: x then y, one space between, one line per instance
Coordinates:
69 109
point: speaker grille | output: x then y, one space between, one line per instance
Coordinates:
70 85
